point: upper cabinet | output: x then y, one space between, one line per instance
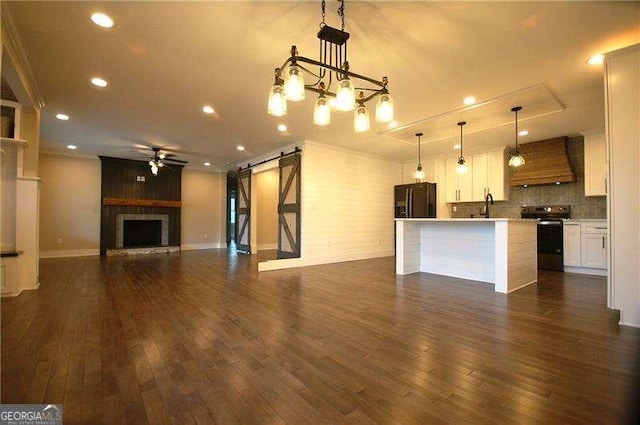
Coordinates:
486 173
595 164
458 187
490 176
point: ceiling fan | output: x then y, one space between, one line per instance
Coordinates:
161 159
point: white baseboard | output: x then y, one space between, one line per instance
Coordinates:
267 246
194 246
315 261
19 291
70 253
631 325
585 270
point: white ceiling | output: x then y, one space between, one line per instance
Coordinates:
165 60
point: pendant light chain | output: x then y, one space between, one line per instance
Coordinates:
324 4
461 124
419 152
341 12
517 127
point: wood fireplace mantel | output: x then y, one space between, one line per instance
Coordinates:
141 202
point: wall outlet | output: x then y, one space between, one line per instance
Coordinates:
455 208
206 236
59 241
140 178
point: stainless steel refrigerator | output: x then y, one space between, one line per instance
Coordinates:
417 200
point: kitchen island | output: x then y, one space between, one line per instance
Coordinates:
502 251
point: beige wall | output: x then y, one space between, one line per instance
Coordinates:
69 206
30 131
267 208
8 197
203 212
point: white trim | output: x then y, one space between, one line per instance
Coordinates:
195 246
585 270
631 325
70 253
20 62
290 263
15 294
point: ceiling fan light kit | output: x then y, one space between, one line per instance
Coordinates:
289 84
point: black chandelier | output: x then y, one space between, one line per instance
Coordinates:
332 66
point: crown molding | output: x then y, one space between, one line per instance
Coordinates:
12 43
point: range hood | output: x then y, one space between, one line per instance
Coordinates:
546 162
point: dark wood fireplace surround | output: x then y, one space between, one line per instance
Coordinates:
124 192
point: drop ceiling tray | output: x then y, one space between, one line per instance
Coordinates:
536 101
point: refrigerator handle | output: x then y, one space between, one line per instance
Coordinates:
410 202
406 203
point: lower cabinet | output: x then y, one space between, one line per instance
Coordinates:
585 246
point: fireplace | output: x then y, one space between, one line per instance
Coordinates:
139 233
142 230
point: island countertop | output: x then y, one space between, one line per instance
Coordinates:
474 220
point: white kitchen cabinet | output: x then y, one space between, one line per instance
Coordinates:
458 186
595 164
489 176
585 246
594 251
571 244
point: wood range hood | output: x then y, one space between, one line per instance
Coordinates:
546 162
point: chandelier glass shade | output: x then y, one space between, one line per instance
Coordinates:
277 103
345 97
361 121
322 111
294 84
516 159
332 80
384 108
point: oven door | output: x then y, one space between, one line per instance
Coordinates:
550 245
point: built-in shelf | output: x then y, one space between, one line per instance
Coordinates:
141 202
18 142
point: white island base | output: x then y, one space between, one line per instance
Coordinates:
501 251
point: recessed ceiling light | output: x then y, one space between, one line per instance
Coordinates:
393 124
72 147
596 59
469 100
456 146
282 127
207 164
102 20
523 133
208 109
99 82
63 117
240 147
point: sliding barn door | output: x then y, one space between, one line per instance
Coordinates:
243 211
289 208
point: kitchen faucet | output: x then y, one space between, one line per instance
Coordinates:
486 205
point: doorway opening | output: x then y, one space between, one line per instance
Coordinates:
232 200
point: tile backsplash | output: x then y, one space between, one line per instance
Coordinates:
565 194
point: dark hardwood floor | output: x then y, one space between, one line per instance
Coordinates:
201 337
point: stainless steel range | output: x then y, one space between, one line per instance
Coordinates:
549 233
